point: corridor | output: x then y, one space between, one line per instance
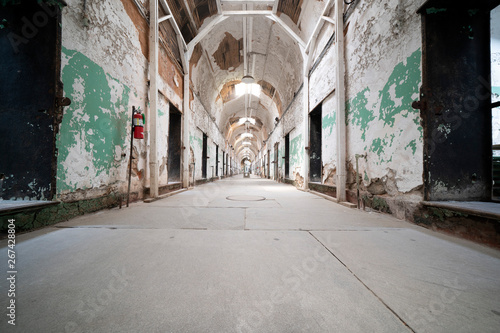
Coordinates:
249 255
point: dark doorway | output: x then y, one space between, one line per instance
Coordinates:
204 157
174 145
30 53
216 160
268 164
276 159
456 100
223 164
287 156
227 164
315 163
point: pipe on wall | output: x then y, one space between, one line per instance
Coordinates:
153 97
340 93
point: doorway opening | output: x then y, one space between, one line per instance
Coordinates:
223 164
455 100
287 156
216 160
315 132
204 157
30 113
268 174
276 159
174 145
495 99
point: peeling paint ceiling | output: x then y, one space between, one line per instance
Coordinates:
234 38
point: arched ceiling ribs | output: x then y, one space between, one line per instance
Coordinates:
256 13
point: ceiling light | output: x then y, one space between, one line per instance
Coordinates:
243 88
247 135
243 120
246 143
248 79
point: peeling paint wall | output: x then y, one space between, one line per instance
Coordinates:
383 77
105 74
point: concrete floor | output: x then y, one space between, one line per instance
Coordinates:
295 262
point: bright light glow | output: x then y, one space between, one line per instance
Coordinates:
247 135
246 143
244 120
243 88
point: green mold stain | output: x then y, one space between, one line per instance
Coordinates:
357 111
473 12
281 161
405 79
328 123
101 125
495 91
161 113
366 178
194 139
434 10
296 151
378 146
413 146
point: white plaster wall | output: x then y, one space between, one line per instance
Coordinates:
383 76
111 41
323 78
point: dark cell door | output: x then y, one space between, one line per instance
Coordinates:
315 163
30 53
276 159
455 100
204 157
216 160
174 145
287 156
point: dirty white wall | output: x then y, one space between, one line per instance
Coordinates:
383 76
105 73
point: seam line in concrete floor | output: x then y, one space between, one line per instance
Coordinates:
245 220
368 288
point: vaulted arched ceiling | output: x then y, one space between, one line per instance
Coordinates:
235 38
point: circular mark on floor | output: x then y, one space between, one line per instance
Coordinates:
245 198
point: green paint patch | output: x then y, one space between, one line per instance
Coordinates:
378 146
194 139
296 151
396 96
357 111
413 146
473 12
95 122
161 113
328 123
433 10
495 91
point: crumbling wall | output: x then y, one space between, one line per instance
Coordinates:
383 77
105 73
383 65
293 123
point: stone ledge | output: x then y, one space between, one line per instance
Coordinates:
8 207
489 210
166 195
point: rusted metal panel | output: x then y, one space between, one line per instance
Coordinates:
30 52
456 101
